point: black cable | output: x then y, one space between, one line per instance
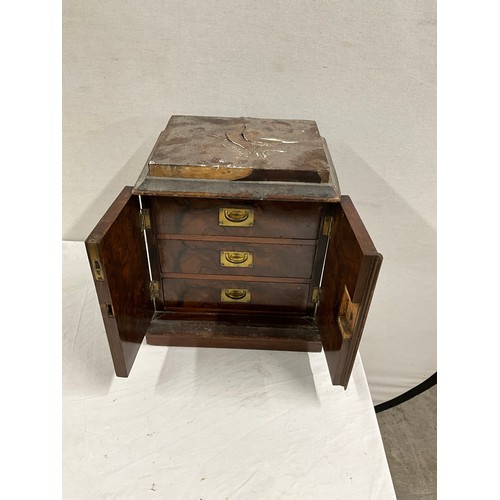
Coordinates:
415 391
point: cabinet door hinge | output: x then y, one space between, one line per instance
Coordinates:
327 226
144 219
154 289
316 294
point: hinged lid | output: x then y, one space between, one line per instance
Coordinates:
241 158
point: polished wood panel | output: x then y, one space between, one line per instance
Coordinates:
206 294
293 261
352 261
117 242
201 217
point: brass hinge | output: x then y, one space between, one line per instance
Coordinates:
154 289
144 219
316 295
327 226
348 314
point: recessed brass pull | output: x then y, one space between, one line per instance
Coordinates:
235 295
236 215
242 217
236 259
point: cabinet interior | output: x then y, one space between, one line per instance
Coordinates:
204 300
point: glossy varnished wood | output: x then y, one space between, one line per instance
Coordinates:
123 294
189 216
206 294
353 261
203 257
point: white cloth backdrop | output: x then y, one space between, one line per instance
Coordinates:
365 71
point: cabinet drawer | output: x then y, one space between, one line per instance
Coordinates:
235 295
236 218
236 259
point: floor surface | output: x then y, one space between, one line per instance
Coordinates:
409 435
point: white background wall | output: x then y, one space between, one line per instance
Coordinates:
364 71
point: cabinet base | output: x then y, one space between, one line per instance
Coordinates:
238 332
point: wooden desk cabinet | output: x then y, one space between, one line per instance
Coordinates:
235 235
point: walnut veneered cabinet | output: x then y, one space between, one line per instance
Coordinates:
235 235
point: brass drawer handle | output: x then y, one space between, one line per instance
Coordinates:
236 259
243 217
236 215
235 295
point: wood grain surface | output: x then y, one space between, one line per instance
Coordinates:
190 216
123 293
203 257
352 261
206 294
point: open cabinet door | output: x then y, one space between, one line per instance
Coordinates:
351 270
118 259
